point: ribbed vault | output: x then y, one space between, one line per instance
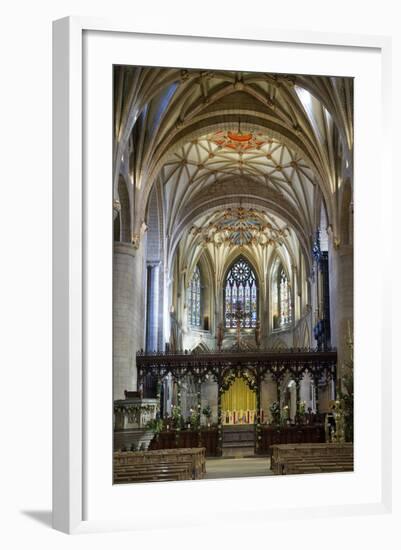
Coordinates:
164 117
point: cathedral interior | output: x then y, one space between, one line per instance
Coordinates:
232 269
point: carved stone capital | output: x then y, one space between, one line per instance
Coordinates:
136 237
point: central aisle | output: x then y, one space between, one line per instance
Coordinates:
237 467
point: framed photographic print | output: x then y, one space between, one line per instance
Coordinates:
213 280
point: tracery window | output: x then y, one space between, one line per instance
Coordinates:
281 298
194 299
240 295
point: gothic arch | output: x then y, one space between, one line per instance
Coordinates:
235 256
224 198
200 347
251 285
274 289
275 260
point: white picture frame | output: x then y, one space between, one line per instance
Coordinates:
73 229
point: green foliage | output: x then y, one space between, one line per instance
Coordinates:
155 425
346 396
301 405
177 419
194 419
285 414
207 411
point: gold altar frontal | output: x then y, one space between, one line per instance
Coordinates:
238 404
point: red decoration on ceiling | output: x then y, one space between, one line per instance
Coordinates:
239 137
238 141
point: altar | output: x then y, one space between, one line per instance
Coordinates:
238 404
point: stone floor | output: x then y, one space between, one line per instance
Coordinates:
237 467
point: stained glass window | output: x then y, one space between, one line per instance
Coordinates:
240 296
281 300
194 299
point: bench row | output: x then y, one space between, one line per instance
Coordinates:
154 472
195 456
308 458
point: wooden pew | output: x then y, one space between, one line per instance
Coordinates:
314 465
310 457
140 473
194 459
280 453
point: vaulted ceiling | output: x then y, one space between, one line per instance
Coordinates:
223 157
211 139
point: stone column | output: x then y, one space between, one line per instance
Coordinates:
266 328
296 313
152 306
127 315
341 299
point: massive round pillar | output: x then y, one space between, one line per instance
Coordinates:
128 316
341 301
